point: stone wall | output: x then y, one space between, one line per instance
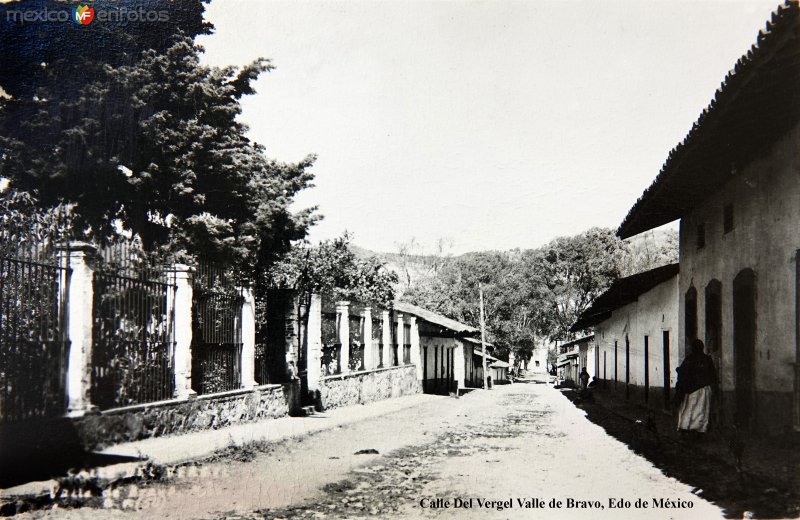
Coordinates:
367 386
175 417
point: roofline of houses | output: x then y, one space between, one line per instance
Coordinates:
727 136
622 292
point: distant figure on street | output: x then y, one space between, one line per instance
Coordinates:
696 377
584 377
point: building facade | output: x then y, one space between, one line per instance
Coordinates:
734 183
635 322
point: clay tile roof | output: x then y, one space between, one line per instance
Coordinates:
622 292
432 317
755 105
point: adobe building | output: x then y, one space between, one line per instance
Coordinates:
734 183
635 322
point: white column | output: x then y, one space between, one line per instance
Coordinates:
416 355
182 330
370 362
248 365
78 258
314 343
343 318
399 339
387 338
459 368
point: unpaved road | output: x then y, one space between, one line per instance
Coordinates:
522 443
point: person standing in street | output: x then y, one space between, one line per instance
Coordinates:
584 377
696 377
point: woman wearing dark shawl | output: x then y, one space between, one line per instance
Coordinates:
696 376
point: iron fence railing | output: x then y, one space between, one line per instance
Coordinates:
331 360
262 361
33 346
216 367
331 347
132 329
356 329
216 330
377 339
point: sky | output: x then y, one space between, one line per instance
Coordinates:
493 125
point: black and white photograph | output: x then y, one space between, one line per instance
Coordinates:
399 259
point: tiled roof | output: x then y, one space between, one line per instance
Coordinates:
622 292
576 341
754 107
477 341
432 317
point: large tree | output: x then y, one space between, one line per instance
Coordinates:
156 148
570 272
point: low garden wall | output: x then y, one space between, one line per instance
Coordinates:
368 386
174 417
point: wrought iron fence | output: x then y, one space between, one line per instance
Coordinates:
262 361
216 330
33 346
356 328
331 347
132 328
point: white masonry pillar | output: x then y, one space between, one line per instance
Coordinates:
181 299
459 364
343 320
370 361
314 343
387 338
78 259
416 355
399 339
248 365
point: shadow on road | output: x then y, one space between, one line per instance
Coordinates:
44 449
766 488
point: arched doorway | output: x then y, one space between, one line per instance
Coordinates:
744 344
690 315
713 326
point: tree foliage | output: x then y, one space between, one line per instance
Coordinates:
531 296
332 268
156 148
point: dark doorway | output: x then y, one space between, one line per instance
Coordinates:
627 367
713 327
667 368
615 363
646 369
690 315
744 343
425 384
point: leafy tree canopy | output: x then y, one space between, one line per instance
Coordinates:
70 48
155 148
332 268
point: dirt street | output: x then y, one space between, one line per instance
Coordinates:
512 452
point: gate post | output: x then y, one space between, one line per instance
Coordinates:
399 339
369 354
182 305
314 343
248 340
415 348
343 317
78 302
